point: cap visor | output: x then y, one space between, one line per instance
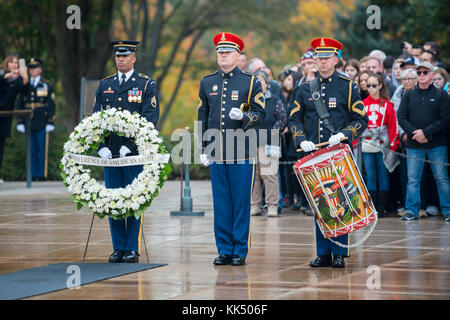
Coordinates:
225 49
324 54
428 66
412 65
122 53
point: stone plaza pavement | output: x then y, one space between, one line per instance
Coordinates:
41 226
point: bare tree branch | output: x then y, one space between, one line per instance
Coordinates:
155 36
187 58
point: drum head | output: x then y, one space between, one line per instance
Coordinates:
322 158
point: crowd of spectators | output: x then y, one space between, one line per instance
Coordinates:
405 148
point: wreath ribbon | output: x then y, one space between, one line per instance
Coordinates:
119 162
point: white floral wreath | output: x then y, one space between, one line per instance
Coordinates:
117 203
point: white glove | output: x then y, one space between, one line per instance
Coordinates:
21 127
204 160
336 138
308 146
105 153
49 127
236 114
124 151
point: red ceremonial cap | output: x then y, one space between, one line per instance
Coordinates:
225 41
326 47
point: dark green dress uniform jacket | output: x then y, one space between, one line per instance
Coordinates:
232 140
340 94
41 99
138 94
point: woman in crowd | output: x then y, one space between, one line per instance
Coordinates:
396 72
440 77
363 63
13 81
352 68
381 133
268 151
362 78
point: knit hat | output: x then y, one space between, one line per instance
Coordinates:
308 56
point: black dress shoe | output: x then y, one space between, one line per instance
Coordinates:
130 256
238 261
116 256
338 262
222 260
321 261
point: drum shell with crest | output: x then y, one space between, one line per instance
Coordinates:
335 190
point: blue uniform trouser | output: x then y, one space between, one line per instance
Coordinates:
38 153
125 233
232 189
325 247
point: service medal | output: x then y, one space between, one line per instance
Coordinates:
332 103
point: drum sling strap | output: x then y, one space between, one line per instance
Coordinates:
322 110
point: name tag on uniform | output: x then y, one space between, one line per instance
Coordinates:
234 94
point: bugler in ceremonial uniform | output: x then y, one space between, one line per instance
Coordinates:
39 97
135 92
341 97
231 105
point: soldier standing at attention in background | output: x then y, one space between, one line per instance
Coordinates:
39 97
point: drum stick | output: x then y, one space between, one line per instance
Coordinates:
322 144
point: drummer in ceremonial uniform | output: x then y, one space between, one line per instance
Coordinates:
39 97
231 104
135 92
340 96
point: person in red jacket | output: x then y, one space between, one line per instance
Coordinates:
380 136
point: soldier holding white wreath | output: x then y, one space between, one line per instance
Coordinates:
135 92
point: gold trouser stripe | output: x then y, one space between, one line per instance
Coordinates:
251 191
140 233
46 154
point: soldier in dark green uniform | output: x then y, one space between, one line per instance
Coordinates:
341 98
